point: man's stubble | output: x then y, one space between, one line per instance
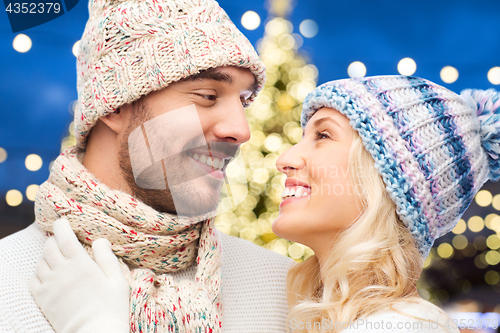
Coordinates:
189 201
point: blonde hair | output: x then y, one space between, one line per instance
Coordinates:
373 263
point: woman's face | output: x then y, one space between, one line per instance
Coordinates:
318 200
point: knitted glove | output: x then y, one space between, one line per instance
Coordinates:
76 293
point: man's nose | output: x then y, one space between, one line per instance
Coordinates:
232 125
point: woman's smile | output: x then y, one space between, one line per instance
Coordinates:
295 190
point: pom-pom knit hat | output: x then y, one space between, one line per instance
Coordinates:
433 148
130 48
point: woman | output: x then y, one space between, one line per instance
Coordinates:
386 165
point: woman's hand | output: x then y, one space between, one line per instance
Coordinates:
77 294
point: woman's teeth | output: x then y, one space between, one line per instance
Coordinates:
212 162
290 192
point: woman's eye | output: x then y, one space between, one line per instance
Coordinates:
321 135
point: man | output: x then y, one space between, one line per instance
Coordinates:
162 87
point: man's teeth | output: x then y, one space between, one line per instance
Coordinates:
212 162
294 192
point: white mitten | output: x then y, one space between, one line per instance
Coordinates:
77 294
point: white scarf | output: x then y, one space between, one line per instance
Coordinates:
149 244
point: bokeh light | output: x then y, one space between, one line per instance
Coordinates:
492 257
3 155
460 227
493 242
470 250
445 251
483 198
299 41
33 162
496 202
460 242
475 224
356 69
492 277
13 198
424 294
449 74
407 66
427 262
494 75
492 221
248 234
296 251
308 28
480 261
495 224
31 192
286 42
22 43
250 20
273 142
76 48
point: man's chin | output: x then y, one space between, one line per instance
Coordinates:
195 200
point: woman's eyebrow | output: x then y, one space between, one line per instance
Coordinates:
319 121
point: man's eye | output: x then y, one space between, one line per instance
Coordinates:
209 97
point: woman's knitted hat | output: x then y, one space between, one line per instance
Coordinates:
433 148
132 47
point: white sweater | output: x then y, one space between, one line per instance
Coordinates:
253 285
424 317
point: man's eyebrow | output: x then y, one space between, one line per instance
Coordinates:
213 74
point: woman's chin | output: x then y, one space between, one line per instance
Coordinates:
286 228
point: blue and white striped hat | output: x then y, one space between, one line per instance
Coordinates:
433 148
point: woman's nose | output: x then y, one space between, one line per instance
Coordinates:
291 160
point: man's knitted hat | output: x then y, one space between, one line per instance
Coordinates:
132 47
433 148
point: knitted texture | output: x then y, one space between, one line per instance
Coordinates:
253 281
433 149
150 245
131 48
487 104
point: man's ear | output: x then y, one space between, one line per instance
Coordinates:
116 121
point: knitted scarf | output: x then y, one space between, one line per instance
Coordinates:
149 244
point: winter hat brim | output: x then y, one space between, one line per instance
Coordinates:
131 48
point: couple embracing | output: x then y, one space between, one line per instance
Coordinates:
124 238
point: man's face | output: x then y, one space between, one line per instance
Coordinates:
213 129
